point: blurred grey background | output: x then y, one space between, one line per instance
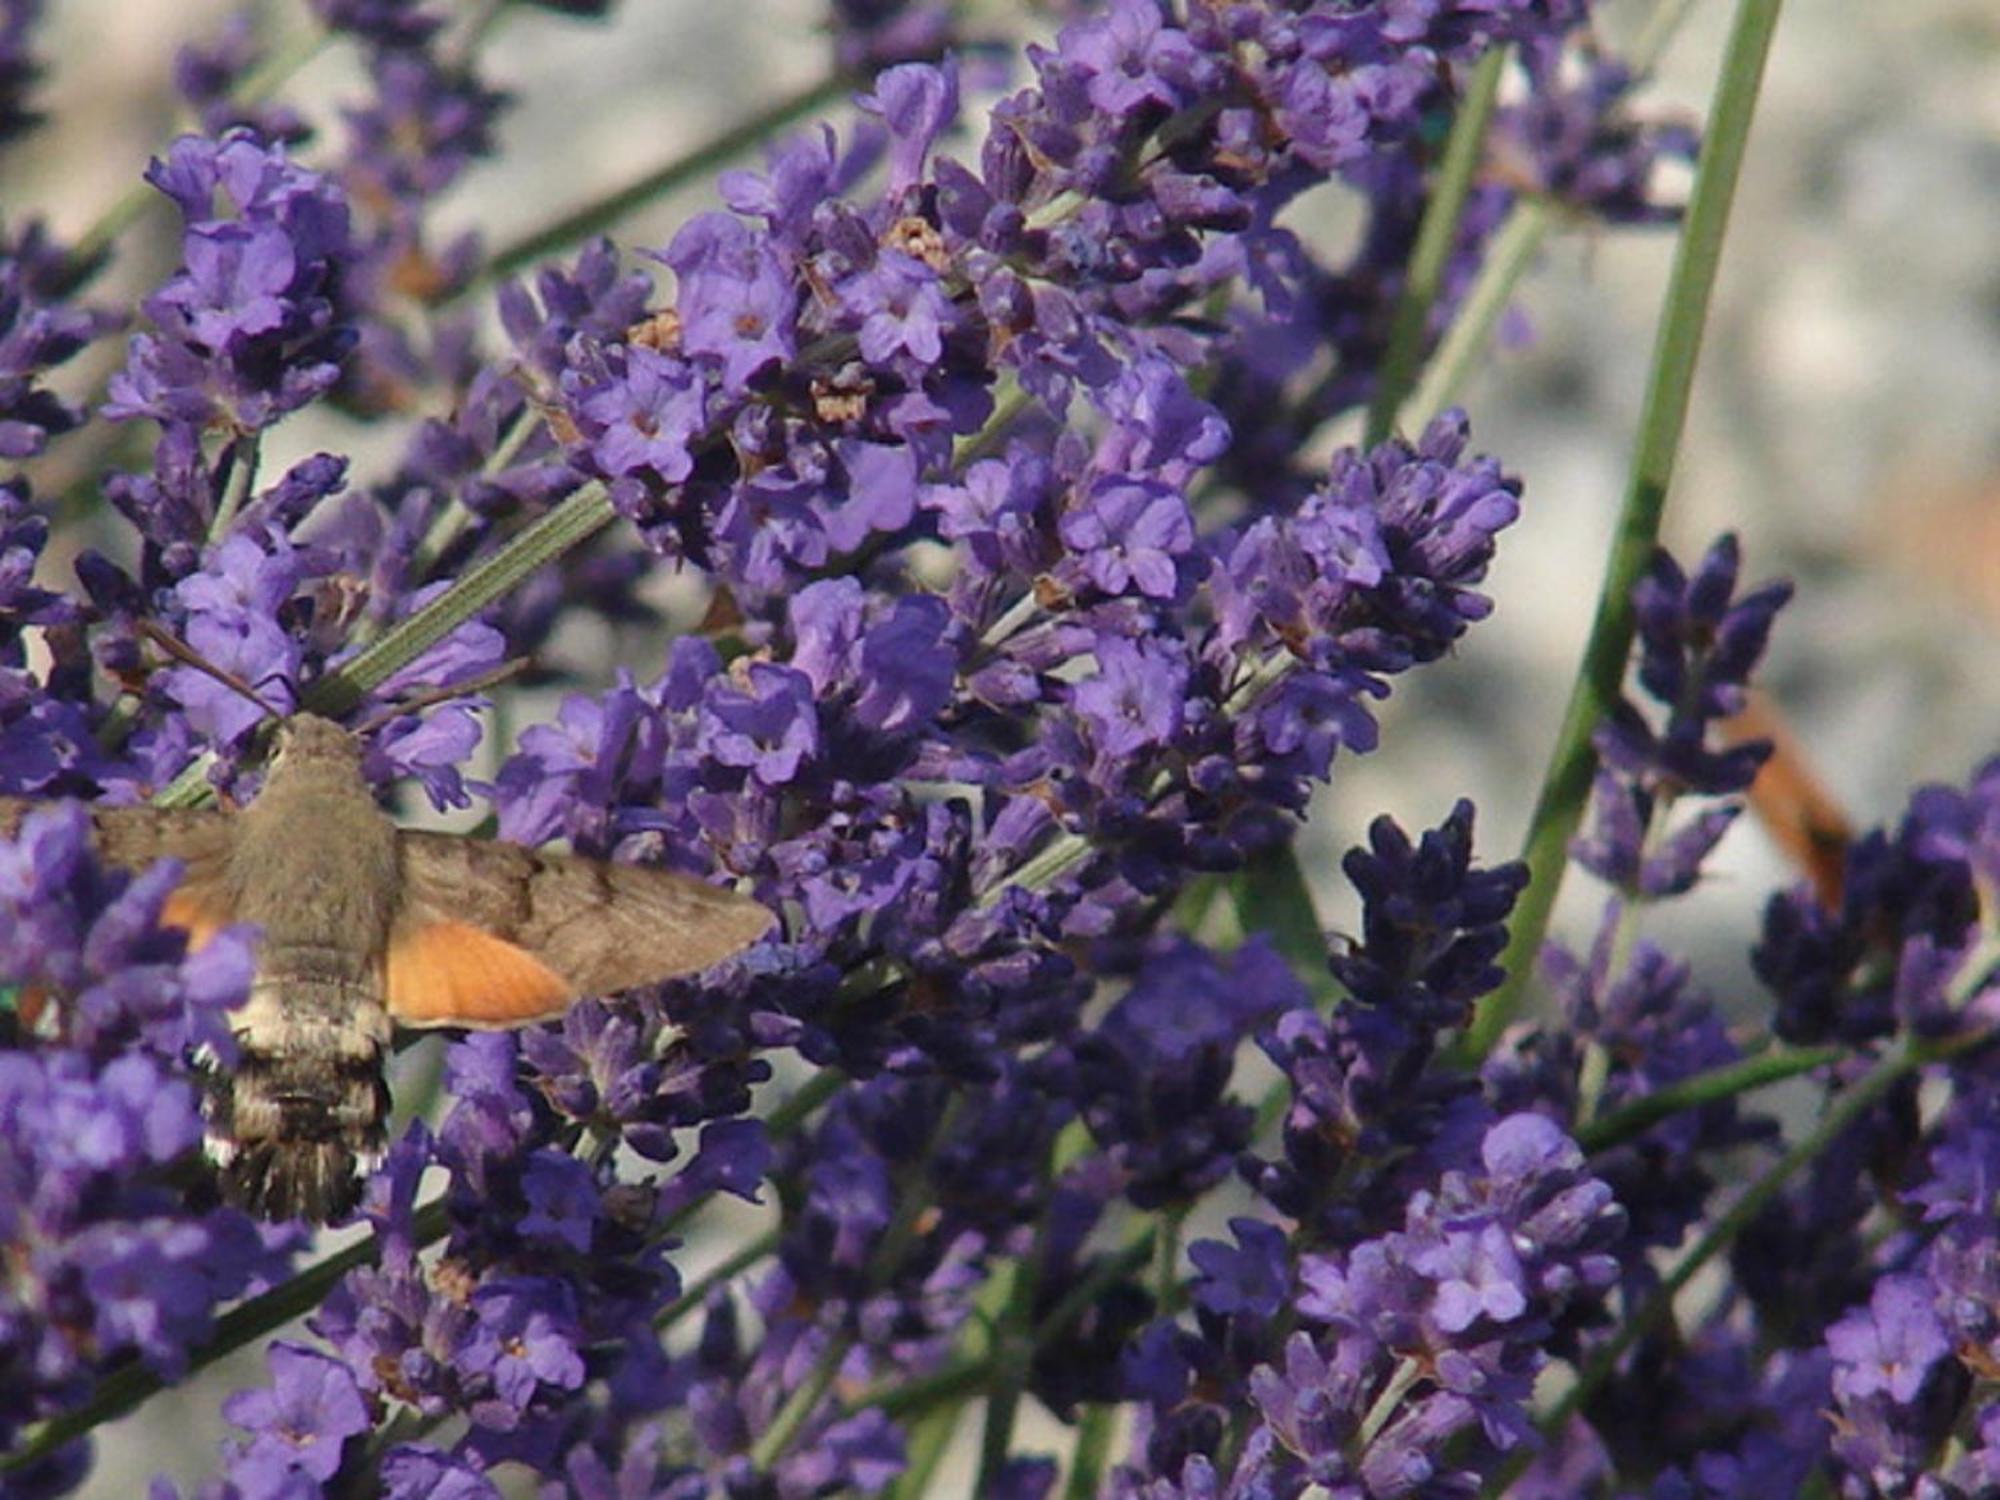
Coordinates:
1846 420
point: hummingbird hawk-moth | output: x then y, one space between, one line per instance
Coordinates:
368 926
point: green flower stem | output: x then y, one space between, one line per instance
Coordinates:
976 1375
236 489
594 218
1712 1087
570 524
1094 1430
579 517
954 1384
1009 1357
1432 253
697 1290
1113 1269
1567 782
1272 896
771 1444
1167 1258
804 1102
1007 1377
928 1441
1508 255
1016 1340
450 523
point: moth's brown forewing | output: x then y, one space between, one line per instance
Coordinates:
367 926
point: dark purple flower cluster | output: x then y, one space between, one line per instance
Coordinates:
1574 141
1697 645
1426 1249
1908 919
1912 1324
105 1262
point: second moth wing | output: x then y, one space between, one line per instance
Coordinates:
134 838
493 935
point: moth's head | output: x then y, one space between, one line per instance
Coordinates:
306 741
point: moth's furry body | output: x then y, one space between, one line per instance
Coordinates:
314 865
367 926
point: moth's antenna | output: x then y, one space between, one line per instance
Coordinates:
429 696
182 652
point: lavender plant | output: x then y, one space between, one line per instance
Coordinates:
982 419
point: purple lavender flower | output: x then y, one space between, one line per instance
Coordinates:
1895 1386
93 1119
975 777
300 1425
37 331
740 305
1131 537
901 311
250 327
643 415
869 34
1452 1293
1579 143
387 23
1151 1081
1369 1108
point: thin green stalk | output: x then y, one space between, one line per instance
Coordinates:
1007 1379
1167 1258
450 523
955 1384
728 1270
965 1378
804 1102
1094 1431
236 489
1697 255
1007 1364
1272 896
927 1444
1113 1269
688 167
771 1444
1508 255
1712 1087
569 525
1432 252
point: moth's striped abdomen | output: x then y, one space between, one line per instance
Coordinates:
299 1120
